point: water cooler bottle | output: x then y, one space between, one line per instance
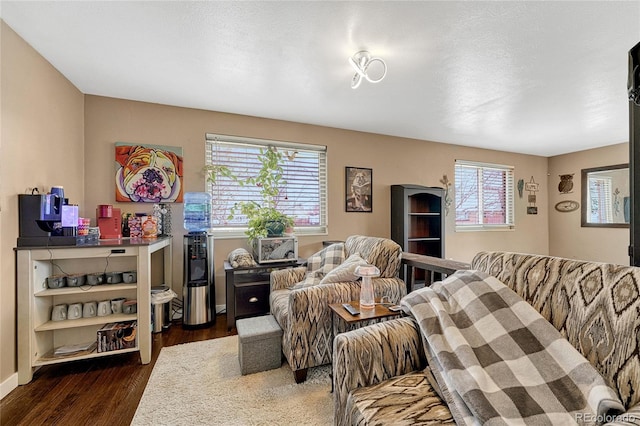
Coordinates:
198 290
199 299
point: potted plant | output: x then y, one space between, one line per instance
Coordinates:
264 219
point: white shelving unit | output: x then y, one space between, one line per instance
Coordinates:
38 336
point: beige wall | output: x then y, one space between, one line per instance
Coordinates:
51 134
393 160
567 238
41 144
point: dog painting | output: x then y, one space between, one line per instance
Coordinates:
358 190
148 173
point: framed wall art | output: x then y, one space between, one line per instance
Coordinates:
148 173
359 182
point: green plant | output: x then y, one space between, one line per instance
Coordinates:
270 179
263 220
212 172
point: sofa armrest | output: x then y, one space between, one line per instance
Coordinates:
286 278
372 354
631 417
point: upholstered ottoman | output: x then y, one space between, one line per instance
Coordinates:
259 344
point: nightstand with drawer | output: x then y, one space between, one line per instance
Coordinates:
248 289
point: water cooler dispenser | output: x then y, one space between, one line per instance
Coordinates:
199 299
198 309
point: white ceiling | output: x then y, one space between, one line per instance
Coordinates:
541 78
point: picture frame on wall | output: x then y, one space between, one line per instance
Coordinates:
359 194
148 173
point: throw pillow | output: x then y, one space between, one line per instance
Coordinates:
346 271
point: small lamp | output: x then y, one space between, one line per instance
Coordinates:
367 299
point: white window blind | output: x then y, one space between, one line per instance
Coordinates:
484 196
304 196
600 200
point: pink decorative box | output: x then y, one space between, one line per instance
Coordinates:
135 226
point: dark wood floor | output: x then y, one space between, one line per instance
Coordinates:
100 391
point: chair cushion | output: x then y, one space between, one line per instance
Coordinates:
345 271
402 400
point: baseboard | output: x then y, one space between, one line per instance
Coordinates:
8 385
221 308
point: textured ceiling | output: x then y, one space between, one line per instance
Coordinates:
542 78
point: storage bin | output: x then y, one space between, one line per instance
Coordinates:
259 344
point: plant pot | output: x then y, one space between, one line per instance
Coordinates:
274 228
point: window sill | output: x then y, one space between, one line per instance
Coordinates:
236 233
500 228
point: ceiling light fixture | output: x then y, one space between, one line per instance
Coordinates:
361 62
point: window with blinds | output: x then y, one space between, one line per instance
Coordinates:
303 197
600 200
484 196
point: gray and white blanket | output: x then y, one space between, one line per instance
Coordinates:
497 361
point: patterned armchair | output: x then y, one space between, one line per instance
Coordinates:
300 297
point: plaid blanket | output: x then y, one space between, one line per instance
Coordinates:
496 360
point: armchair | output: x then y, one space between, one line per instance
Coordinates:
300 297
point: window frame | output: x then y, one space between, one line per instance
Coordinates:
509 196
239 231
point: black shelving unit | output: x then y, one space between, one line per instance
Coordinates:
417 221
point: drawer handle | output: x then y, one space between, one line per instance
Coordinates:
253 300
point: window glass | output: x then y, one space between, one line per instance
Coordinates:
303 196
600 200
483 195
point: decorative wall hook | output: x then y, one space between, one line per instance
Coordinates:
447 196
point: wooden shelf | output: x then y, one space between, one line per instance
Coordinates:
37 335
85 289
94 354
83 322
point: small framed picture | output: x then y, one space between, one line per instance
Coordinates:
358 189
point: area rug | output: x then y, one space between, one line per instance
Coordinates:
200 384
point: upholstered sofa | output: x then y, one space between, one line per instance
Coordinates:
300 297
381 374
